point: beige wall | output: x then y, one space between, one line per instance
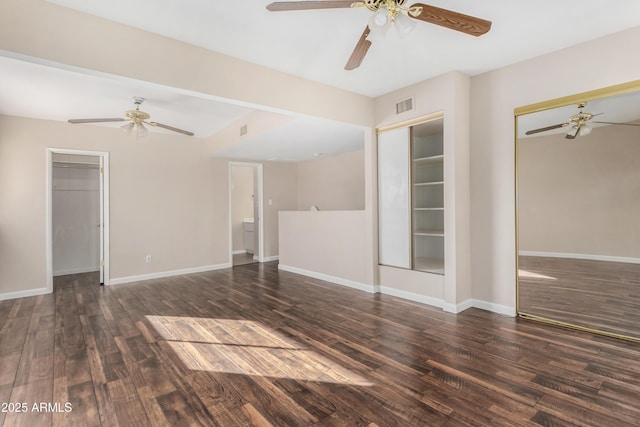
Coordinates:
280 187
241 202
494 95
332 183
580 196
168 200
330 243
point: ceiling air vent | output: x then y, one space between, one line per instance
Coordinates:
404 105
243 130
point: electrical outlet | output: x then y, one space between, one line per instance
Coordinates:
147 258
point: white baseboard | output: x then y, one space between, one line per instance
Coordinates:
581 256
76 271
457 308
161 274
493 307
450 308
24 294
270 258
239 251
327 278
435 302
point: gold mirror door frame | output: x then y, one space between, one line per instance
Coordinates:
545 120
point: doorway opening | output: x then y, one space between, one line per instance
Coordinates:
245 213
77 214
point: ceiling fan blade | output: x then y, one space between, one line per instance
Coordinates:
359 51
614 123
452 20
280 6
573 136
75 121
531 132
160 125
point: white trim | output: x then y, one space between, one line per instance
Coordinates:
327 278
162 274
239 251
581 256
270 258
24 294
260 172
493 307
457 308
76 271
435 302
49 209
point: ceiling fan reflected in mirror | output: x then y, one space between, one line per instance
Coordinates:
387 13
579 124
137 119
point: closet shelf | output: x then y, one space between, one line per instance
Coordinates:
436 233
430 265
430 159
424 184
428 209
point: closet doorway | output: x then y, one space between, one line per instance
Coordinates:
245 213
77 214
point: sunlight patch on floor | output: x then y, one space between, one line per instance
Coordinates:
532 275
246 347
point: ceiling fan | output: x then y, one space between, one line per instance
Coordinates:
579 124
137 119
387 12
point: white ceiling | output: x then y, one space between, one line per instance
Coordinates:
316 44
49 92
311 44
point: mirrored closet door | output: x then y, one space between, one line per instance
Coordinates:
578 210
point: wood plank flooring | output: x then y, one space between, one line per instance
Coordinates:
600 295
252 346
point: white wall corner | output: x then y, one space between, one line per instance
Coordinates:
457 308
495 308
161 274
337 280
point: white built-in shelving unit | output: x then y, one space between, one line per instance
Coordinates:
427 179
411 197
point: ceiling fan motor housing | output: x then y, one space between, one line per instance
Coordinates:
137 116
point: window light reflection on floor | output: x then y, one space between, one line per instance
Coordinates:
247 348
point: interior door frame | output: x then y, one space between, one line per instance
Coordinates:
258 168
104 210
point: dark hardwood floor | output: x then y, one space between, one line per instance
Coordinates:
600 295
255 346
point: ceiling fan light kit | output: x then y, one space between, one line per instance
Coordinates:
387 13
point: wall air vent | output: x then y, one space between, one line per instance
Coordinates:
404 105
243 130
